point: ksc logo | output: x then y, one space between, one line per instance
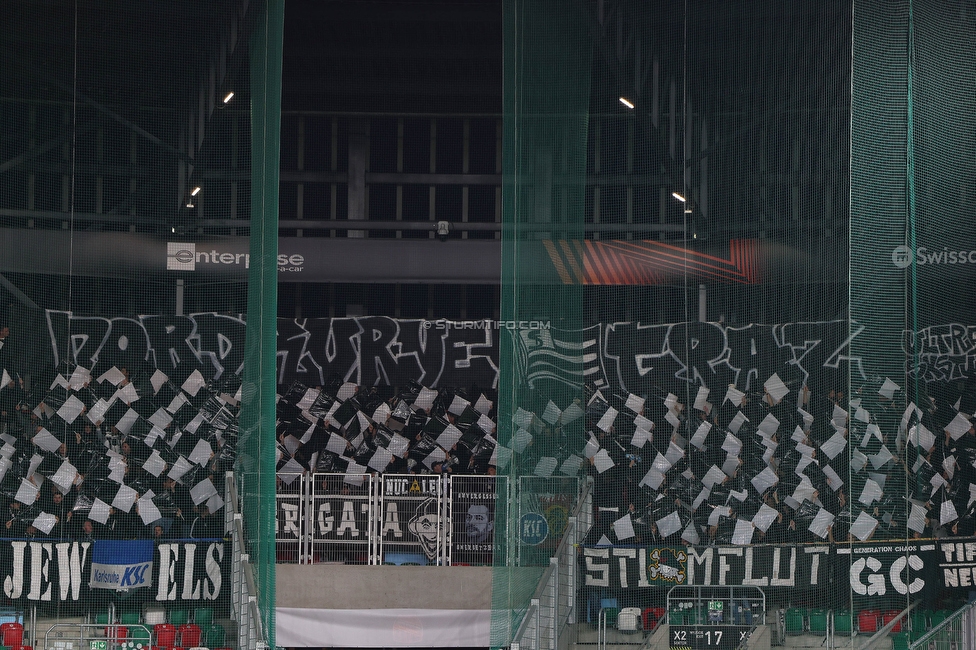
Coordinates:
135 576
902 256
181 256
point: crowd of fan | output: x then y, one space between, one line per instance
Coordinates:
117 456
136 454
784 465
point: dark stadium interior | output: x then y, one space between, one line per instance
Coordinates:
705 295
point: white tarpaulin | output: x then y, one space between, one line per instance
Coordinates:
386 628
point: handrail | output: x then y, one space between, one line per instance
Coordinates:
924 640
521 629
252 621
579 523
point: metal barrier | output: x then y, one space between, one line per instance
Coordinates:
82 636
957 632
553 606
714 605
244 606
416 519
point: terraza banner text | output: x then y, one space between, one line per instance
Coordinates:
51 571
870 569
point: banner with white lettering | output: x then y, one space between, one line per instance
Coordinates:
627 356
473 501
340 524
121 564
888 568
957 564
68 571
631 567
413 523
869 569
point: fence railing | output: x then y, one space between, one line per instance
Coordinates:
957 632
405 518
408 518
553 605
244 606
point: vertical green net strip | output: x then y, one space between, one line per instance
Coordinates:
257 444
880 226
547 65
943 88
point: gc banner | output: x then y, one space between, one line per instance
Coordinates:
121 564
473 501
877 569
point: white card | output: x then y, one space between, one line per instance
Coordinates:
623 528
193 383
602 461
635 403
776 388
100 511
154 464
607 420
46 440
113 376
124 498
148 511
71 409
545 467
734 395
571 466
158 380
202 491
201 454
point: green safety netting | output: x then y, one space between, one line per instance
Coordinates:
756 292
127 131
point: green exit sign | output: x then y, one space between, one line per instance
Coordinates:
98 645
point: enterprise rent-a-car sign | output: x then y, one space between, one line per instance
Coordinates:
184 256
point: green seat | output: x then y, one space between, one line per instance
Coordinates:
676 617
899 641
818 621
611 614
103 618
129 618
938 617
138 633
203 616
697 616
843 622
918 623
794 621
215 636
178 616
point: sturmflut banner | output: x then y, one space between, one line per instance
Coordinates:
119 565
870 569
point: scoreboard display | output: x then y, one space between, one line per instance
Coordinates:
708 637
